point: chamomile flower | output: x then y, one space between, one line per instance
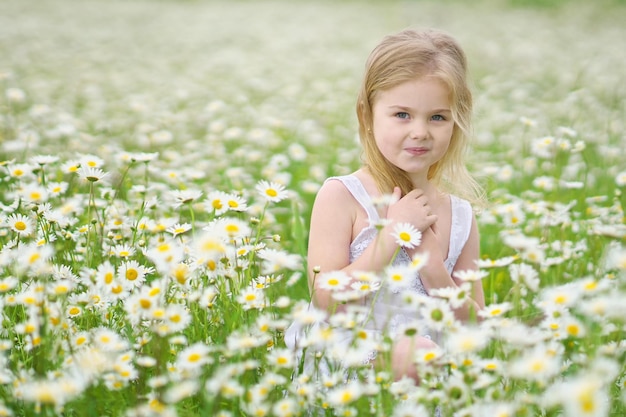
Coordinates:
495 310
178 229
21 170
251 298
208 248
272 192
20 224
91 174
282 358
122 251
539 363
406 235
275 260
132 274
165 254
332 281
470 275
188 196
193 357
8 283
105 274
580 396
108 340
56 189
216 202
90 161
285 407
235 229
399 276
467 340
495 263
343 395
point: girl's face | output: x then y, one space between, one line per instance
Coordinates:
412 125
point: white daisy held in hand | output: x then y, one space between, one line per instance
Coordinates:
407 235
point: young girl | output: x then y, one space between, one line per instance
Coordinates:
414 110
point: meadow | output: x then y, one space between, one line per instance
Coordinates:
158 163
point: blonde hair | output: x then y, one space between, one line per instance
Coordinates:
406 56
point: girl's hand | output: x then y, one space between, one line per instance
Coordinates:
412 208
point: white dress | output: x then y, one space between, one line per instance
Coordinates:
389 313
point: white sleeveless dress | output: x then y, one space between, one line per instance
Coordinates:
390 314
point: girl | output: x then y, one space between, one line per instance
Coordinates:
414 110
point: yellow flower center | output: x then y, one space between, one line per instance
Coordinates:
131 274
271 192
20 225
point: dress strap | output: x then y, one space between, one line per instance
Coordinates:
356 188
461 225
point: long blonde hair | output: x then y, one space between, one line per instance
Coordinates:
405 56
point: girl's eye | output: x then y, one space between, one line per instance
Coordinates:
438 118
402 115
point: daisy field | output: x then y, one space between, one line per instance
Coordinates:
158 163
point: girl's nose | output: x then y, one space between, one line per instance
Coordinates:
419 130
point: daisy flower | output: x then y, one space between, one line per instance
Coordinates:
419 259
20 224
105 274
107 340
251 298
437 313
399 276
276 260
495 310
20 170
582 396
132 273
165 254
539 363
178 229
333 281
44 159
33 193
467 340
208 249
70 167
57 188
273 192
235 229
456 295
470 275
193 357
91 174
90 161
216 203
407 235
494 263
8 283
122 251
185 196
236 203
345 394
282 358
